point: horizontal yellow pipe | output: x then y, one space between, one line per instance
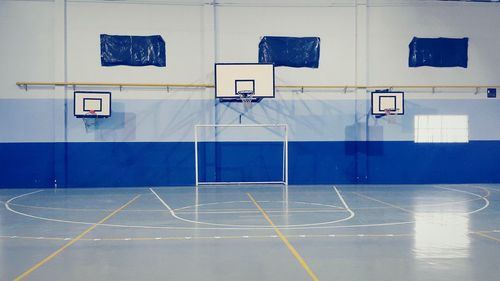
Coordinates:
111 84
20 84
387 86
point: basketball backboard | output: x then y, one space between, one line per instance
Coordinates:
97 103
385 101
233 79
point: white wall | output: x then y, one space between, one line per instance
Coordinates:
26 45
28 40
180 26
197 34
391 28
239 30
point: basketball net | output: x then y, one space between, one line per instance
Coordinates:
90 120
246 98
390 116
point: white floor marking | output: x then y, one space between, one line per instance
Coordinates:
344 203
190 228
172 212
229 237
236 210
8 203
487 202
19 196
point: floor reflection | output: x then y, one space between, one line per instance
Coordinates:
441 235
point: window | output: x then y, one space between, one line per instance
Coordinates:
441 128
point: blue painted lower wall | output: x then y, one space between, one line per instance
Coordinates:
24 165
240 161
27 165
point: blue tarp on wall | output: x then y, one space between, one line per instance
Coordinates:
132 50
290 51
438 52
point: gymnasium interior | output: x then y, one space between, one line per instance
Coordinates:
250 140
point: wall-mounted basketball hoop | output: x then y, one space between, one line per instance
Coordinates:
91 106
387 104
90 120
244 82
246 98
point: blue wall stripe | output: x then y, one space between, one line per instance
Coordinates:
240 161
26 165
172 163
130 164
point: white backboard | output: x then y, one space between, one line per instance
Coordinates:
231 78
392 101
99 102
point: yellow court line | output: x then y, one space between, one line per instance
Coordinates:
283 238
73 241
487 236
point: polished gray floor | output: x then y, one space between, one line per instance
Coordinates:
355 232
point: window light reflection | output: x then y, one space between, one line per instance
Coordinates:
441 235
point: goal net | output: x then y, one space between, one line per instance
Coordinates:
241 154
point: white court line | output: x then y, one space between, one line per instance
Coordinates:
164 204
309 236
172 212
488 193
341 198
235 210
494 189
6 204
440 187
473 194
269 212
344 203
190 228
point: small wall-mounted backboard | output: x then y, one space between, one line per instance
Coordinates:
491 92
386 101
232 80
95 103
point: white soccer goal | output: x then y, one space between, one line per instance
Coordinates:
241 141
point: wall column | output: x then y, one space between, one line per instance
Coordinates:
60 110
361 79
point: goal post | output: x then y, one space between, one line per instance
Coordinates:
239 154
